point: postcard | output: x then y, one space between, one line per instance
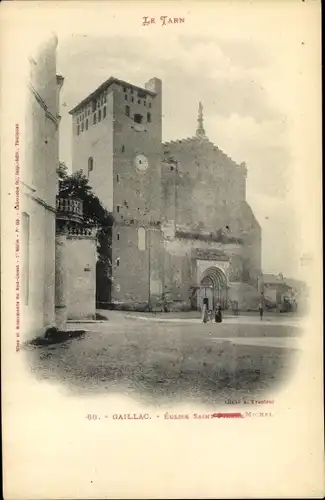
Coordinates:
161 250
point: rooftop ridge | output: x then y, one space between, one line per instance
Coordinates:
105 85
187 140
180 141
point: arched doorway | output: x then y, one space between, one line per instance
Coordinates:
213 288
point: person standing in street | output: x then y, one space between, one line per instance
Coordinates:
261 309
205 314
218 314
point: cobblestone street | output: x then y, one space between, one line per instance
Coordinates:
158 361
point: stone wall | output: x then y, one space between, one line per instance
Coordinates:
183 268
206 181
137 194
37 266
132 263
245 294
205 191
97 143
81 277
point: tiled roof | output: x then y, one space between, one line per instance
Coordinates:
103 87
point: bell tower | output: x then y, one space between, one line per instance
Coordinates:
117 142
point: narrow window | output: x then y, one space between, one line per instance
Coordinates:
138 118
98 104
117 178
87 124
95 118
78 130
118 236
141 238
132 99
148 117
149 104
127 110
99 115
82 126
145 103
94 106
139 101
124 89
117 261
90 165
25 223
123 148
104 112
118 208
125 97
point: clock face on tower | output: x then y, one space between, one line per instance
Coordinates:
141 163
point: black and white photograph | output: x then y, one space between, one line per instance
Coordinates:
165 227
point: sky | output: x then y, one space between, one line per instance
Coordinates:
251 65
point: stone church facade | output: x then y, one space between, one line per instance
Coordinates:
183 230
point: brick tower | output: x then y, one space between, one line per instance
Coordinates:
117 143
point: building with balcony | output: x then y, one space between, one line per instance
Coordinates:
38 191
75 263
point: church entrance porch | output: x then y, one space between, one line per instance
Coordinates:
202 294
212 290
214 287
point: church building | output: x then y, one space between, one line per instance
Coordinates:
183 231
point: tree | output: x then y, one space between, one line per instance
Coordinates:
77 185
